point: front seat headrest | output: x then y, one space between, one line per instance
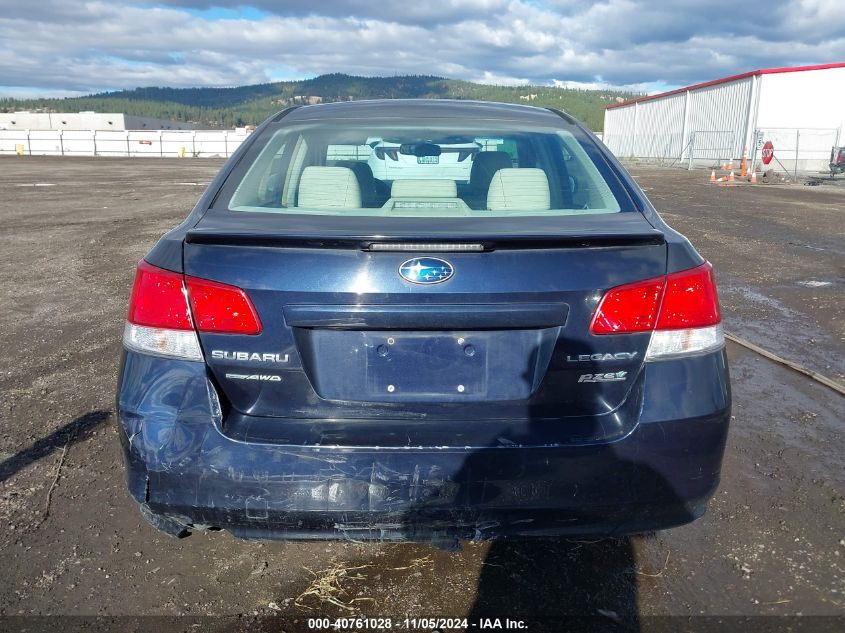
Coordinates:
521 189
366 180
329 188
484 165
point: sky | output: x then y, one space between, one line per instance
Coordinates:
72 47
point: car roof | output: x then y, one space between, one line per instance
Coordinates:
412 109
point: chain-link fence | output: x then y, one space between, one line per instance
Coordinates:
709 148
789 151
794 151
700 148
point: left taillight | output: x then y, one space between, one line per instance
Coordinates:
167 309
159 320
221 308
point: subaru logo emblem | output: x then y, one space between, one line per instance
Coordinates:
426 270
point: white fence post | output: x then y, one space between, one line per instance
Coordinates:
691 146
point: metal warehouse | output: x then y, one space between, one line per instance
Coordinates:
787 119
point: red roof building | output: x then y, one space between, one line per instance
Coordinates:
798 110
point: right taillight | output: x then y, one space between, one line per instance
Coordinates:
689 300
682 310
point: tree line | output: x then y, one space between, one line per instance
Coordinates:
249 105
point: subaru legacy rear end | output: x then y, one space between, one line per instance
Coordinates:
526 349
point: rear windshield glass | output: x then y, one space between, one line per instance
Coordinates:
441 169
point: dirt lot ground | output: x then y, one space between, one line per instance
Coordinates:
72 541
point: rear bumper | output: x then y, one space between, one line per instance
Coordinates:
183 467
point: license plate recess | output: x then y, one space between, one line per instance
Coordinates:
426 364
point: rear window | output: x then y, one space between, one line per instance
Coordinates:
366 168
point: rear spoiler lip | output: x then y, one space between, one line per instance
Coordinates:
259 229
362 242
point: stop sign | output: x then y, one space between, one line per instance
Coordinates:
768 152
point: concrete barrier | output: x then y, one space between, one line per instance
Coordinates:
142 143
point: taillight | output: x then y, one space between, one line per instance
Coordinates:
221 308
381 152
629 308
158 299
690 300
161 320
681 308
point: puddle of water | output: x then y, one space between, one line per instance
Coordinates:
815 284
812 248
758 297
781 329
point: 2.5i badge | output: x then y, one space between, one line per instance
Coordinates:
614 376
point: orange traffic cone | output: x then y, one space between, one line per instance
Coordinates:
713 175
743 166
731 177
753 178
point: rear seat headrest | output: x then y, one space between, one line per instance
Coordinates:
519 189
329 188
424 189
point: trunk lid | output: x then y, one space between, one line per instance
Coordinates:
345 336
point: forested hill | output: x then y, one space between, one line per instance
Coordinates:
244 105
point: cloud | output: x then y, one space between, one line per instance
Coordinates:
93 45
422 13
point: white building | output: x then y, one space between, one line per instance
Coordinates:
792 117
85 121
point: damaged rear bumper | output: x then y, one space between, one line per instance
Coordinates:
189 474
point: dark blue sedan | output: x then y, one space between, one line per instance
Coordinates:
497 336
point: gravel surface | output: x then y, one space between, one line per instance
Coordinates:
72 541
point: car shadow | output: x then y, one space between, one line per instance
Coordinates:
67 434
559 584
568 583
